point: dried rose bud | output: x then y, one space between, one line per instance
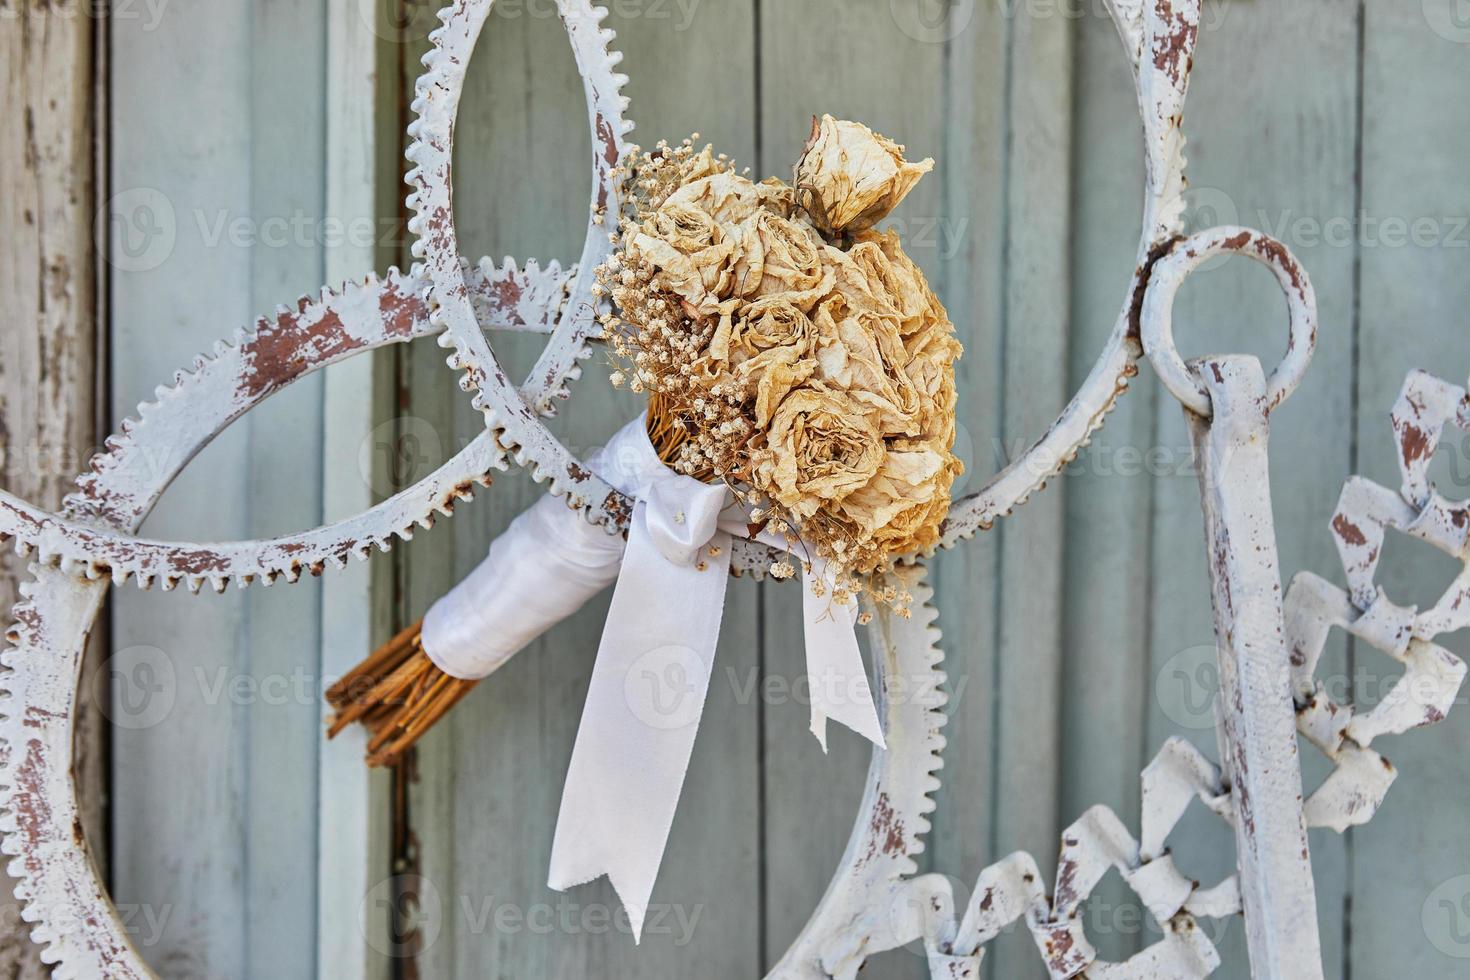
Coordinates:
849 178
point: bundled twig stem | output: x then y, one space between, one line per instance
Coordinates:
398 693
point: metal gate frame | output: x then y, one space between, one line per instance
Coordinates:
1269 645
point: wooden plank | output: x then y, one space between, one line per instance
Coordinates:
1033 354
488 782
894 82
283 641
970 280
1108 491
352 839
1408 867
1275 127
178 782
48 353
220 142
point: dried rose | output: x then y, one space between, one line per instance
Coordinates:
821 447
776 372
901 283
692 254
849 178
726 197
770 343
901 508
773 321
777 255
861 353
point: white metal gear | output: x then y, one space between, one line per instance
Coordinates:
88 539
1162 79
547 300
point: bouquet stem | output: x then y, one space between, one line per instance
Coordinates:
398 693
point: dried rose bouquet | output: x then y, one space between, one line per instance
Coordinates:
790 349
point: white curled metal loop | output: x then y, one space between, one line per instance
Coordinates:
1187 255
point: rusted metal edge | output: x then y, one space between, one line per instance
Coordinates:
1167 29
512 418
256 362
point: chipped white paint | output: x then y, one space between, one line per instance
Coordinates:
875 901
1256 721
1432 676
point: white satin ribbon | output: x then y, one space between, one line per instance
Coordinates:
655 659
834 664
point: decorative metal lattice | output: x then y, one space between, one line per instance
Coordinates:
1269 650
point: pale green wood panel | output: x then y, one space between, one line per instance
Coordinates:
855 61
219 135
1032 354
970 280
281 653
1410 867
484 805
1108 492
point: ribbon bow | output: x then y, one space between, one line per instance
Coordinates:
655 659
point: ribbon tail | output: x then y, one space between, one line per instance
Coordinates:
638 725
834 664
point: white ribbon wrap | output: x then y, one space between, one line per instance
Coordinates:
655 660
